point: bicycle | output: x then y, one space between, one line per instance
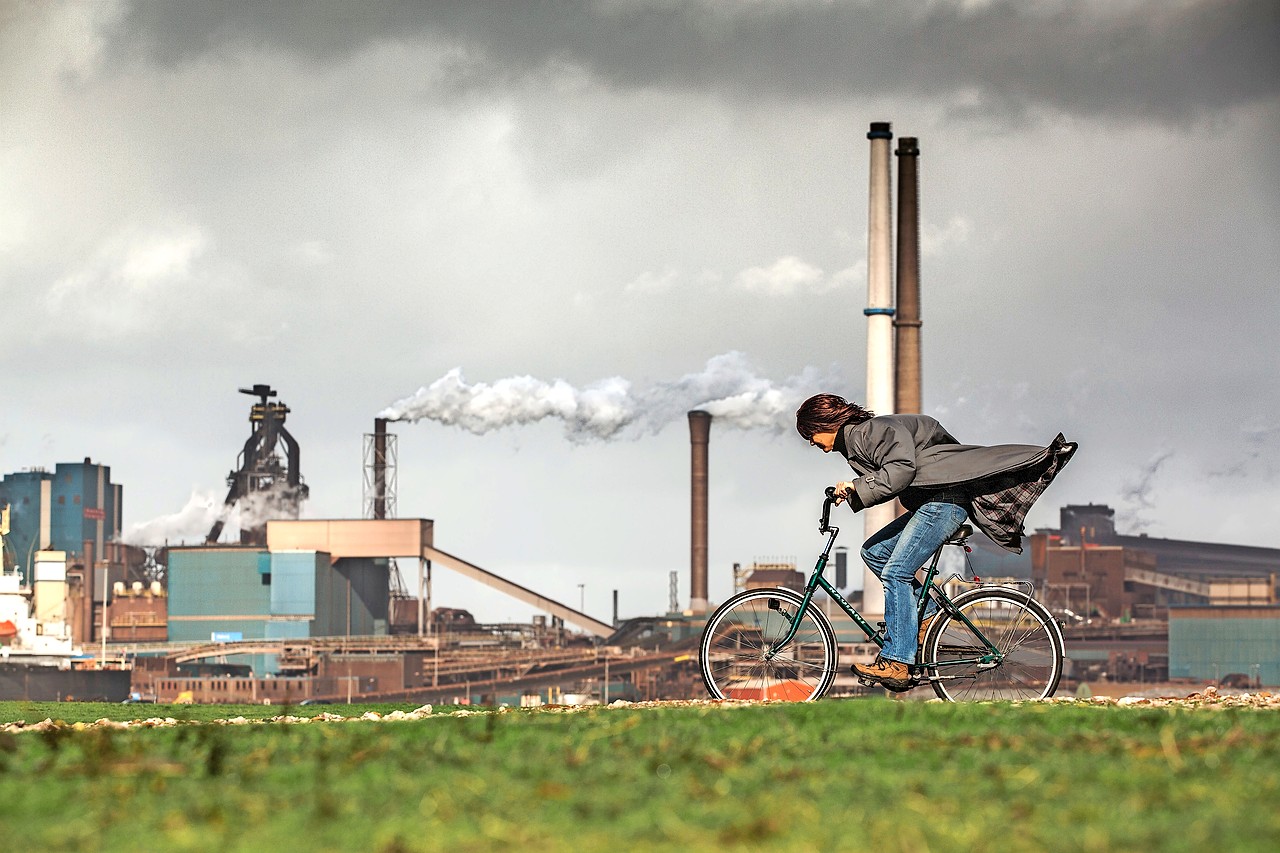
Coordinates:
989 642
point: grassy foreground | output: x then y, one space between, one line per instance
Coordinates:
831 775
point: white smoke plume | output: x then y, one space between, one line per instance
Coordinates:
193 522
727 387
257 508
189 524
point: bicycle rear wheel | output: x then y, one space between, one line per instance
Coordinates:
732 654
1026 635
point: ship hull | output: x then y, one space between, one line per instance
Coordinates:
22 682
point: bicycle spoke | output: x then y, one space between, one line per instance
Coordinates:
740 656
1030 661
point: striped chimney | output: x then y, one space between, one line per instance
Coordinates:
879 313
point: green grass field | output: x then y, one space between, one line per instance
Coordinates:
831 775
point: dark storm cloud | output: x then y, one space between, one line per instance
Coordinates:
1171 61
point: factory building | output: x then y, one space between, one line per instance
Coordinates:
75 509
234 593
1141 608
1086 567
1236 645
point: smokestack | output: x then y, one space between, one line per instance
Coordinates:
699 437
379 467
906 323
879 313
379 492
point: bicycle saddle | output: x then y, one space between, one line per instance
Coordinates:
957 538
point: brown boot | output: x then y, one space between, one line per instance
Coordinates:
890 674
924 628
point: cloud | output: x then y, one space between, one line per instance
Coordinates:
791 276
312 253
124 277
1169 61
69 40
785 277
1253 457
654 282
937 239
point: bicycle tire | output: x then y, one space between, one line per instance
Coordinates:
731 651
1025 633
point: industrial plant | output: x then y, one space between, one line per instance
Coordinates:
341 610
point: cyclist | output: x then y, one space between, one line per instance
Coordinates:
939 482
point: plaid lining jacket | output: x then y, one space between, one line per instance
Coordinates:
1000 513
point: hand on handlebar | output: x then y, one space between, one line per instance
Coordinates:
840 492
836 495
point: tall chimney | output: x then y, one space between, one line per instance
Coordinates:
906 323
379 467
879 313
379 492
699 437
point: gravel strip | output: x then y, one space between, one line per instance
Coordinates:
1207 698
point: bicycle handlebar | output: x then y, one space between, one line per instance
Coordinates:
824 525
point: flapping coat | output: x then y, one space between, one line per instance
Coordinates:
913 458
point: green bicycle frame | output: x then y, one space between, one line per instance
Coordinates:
818 581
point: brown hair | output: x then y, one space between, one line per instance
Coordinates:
828 413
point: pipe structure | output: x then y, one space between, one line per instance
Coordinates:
378 493
879 313
379 467
699 439
906 323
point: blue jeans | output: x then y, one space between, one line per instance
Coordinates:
895 554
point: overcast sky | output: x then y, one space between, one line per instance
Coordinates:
351 201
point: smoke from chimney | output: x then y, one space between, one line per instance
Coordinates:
1136 494
202 509
727 388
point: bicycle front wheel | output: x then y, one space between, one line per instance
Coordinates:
960 665
734 652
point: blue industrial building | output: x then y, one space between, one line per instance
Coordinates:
1211 643
72 508
250 593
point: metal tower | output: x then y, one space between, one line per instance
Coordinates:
265 485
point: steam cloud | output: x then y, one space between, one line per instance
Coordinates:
193 522
187 524
727 387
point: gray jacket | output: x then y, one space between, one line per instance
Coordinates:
913 458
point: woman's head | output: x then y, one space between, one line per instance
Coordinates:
823 413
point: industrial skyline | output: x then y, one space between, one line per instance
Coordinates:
349 206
